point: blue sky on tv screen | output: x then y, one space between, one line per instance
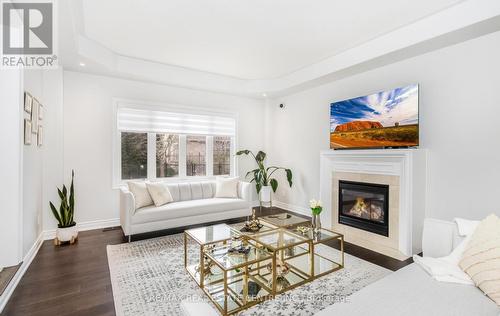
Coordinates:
399 105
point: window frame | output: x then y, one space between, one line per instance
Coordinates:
117 181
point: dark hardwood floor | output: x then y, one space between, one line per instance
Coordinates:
74 280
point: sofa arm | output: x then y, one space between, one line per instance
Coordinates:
437 238
245 191
127 209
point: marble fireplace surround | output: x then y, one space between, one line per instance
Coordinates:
382 244
404 170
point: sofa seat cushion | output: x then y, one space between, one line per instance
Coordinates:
187 208
411 291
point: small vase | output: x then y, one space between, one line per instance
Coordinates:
265 195
316 223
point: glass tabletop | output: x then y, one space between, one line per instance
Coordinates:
239 228
321 236
212 234
228 261
284 220
279 238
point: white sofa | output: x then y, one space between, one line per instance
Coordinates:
411 291
194 203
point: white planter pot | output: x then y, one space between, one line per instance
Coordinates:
67 234
265 194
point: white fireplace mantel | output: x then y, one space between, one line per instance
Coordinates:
408 164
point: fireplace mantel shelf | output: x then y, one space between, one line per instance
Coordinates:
370 152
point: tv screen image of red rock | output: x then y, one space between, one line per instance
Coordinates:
384 119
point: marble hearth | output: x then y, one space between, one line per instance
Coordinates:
403 171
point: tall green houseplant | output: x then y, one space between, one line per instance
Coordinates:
262 175
64 215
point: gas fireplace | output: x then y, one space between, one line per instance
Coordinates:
364 206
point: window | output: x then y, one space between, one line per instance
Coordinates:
196 149
167 155
159 143
134 155
222 155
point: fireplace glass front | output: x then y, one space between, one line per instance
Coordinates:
364 206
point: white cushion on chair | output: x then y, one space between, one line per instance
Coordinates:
226 187
141 194
481 259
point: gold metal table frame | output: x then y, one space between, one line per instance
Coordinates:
276 247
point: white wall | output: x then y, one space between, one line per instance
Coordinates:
27 170
459 125
11 131
32 170
52 166
88 132
42 166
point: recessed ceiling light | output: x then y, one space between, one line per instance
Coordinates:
264 95
82 64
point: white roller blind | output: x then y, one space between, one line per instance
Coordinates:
149 121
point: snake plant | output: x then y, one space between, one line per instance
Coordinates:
64 215
262 175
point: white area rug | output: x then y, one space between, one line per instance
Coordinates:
148 278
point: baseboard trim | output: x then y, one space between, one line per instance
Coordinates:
83 226
20 272
293 208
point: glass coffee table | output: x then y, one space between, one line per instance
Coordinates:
275 260
204 237
210 237
325 259
237 287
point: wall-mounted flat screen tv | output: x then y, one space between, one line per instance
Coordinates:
380 120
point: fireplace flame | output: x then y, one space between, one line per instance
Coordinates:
366 210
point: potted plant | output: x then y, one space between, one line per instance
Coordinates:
263 176
316 208
66 226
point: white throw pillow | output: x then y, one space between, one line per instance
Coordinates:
141 194
481 258
226 187
159 193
